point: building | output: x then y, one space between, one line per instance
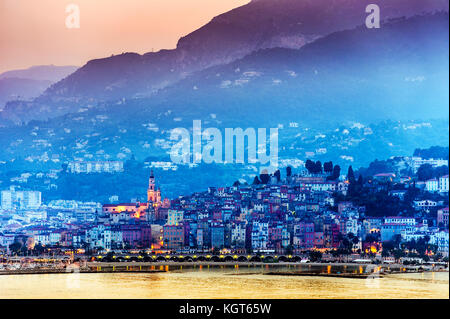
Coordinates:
174 217
260 236
279 236
440 239
425 204
12 199
95 167
6 240
304 235
43 239
384 177
139 236
432 185
153 193
400 220
442 217
396 225
349 225
443 184
217 236
416 162
238 233
125 212
371 225
390 230
144 211
173 237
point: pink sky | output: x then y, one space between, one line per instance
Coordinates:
33 32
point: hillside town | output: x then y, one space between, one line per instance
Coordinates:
316 211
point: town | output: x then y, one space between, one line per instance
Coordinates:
312 214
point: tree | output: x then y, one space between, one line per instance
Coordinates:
360 181
371 238
256 181
318 167
264 177
432 152
356 188
109 257
289 249
39 249
425 172
15 247
351 175
288 171
236 184
328 167
411 193
398 253
396 240
336 173
315 255
440 171
277 174
310 166
387 248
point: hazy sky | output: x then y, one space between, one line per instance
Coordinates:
34 32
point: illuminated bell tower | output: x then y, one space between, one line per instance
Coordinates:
153 195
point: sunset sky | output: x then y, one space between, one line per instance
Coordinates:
34 32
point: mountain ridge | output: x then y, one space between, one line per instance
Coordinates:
397 74
52 73
29 83
229 36
226 38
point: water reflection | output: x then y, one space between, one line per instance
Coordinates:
233 281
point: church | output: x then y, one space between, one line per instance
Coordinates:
124 212
153 194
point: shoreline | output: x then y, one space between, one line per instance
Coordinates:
305 268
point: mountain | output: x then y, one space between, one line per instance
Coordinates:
21 89
232 35
51 73
258 25
399 71
29 83
334 91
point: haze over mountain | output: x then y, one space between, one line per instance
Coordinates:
336 90
51 73
21 89
399 71
232 35
258 25
349 81
29 83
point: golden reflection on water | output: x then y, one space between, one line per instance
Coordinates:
214 282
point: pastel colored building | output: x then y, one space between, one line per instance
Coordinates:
442 216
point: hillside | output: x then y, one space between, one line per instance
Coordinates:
261 24
27 84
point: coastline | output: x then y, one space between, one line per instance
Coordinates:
340 270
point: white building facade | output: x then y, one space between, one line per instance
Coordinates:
12 199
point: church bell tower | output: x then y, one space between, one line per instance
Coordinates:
153 194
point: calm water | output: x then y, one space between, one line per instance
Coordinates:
221 282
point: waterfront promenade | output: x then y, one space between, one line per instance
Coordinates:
347 270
